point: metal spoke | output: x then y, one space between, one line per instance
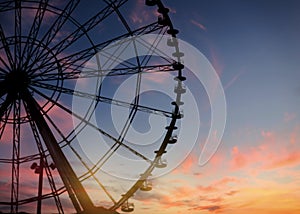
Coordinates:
79 32
18 34
54 29
89 170
7 50
82 56
93 126
5 105
15 157
149 170
3 89
103 99
6 111
137 92
8 5
34 30
75 74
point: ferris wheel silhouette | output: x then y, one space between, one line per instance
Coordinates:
44 51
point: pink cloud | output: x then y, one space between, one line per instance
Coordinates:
239 160
216 61
199 25
157 77
187 165
142 14
274 151
226 180
288 160
233 80
139 13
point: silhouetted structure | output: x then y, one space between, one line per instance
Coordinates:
38 69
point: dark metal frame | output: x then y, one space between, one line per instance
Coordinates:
32 65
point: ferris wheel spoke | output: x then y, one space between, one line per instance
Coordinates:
2 70
5 105
92 73
103 99
18 34
3 121
89 170
79 32
92 126
149 170
77 59
15 156
52 32
7 50
85 28
8 5
3 89
153 50
34 30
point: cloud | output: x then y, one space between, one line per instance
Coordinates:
210 208
216 61
287 160
274 151
142 14
233 80
198 24
139 14
187 165
239 160
232 192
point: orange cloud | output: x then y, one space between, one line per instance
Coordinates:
239 160
275 150
210 208
187 165
288 160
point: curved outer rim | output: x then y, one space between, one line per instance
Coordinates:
176 115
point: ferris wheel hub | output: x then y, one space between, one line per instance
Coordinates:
16 81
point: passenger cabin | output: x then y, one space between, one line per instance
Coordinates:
161 163
147 186
127 207
173 139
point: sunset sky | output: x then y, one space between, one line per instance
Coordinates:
254 46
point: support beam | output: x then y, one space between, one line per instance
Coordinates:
77 193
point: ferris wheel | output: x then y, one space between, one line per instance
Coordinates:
50 51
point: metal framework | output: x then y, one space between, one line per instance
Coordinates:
39 61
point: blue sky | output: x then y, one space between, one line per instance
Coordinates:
254 46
